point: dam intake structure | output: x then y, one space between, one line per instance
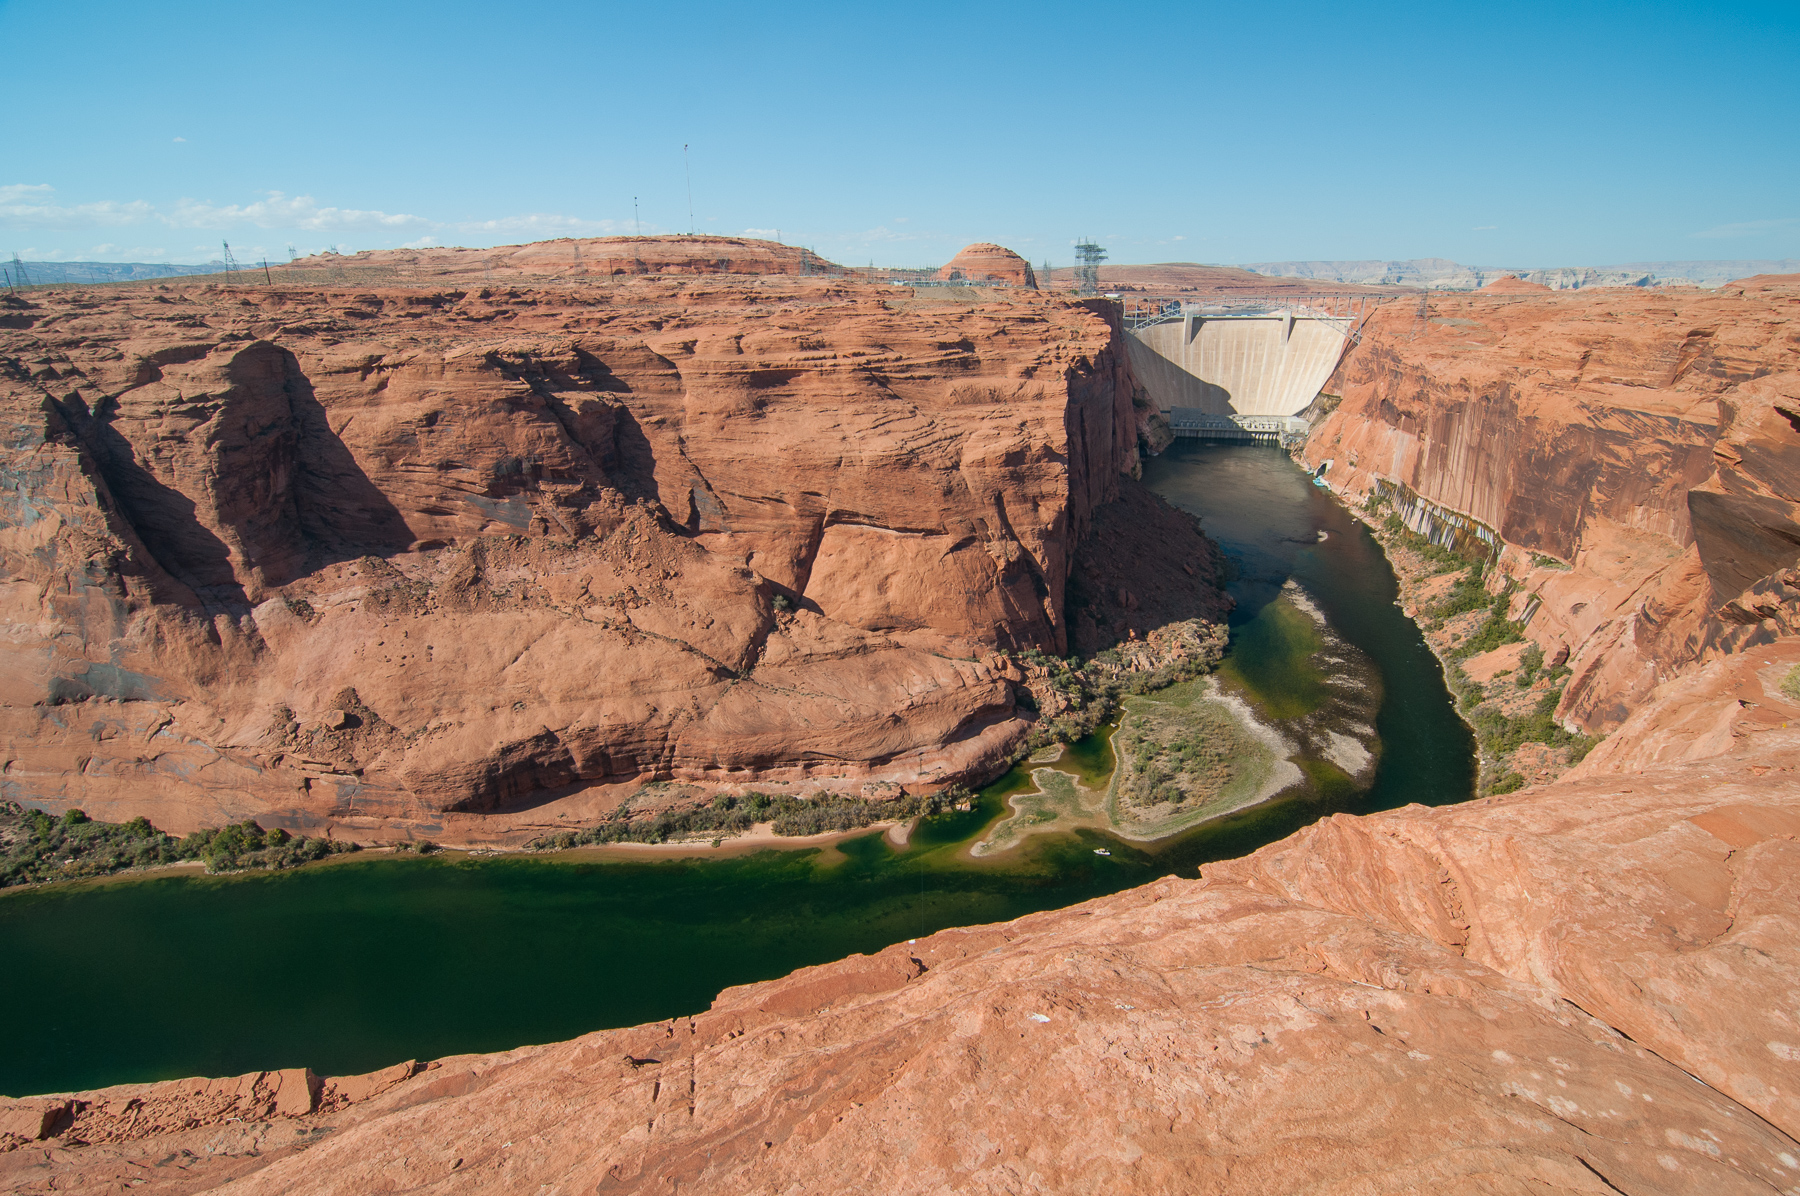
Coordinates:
1239 370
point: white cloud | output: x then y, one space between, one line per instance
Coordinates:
1749 228
424 242
26 205
281 211
181 138
765 234
33 205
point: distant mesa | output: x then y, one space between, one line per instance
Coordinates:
1512 284
985 262
564 258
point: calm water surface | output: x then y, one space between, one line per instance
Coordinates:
351 966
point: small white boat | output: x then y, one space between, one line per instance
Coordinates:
1101 851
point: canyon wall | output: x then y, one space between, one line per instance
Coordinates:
1639 454
365 558
1585 989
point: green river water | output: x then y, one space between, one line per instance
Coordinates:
353 965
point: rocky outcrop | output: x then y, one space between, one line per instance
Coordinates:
984 262
354 558
567 259
1582 989
1645 440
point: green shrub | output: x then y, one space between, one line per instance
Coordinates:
1530 661
1469 593
730 815
1496 630
1507 782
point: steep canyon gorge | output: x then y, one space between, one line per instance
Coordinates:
376 561
452 560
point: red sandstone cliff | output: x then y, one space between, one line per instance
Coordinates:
1651 440
1586 987
355 556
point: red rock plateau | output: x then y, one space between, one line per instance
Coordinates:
569 259
386 561
1584 987
985 262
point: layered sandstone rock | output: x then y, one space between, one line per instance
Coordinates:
1581 989
984 262
358 558
1650 440
1585 987
567 259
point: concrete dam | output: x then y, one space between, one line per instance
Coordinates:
1245 373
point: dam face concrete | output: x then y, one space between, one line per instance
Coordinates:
1265 363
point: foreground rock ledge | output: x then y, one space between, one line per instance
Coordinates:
1586 988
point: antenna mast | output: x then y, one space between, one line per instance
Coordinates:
690 184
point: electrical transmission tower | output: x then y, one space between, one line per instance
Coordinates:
18 273
1087 273
230 262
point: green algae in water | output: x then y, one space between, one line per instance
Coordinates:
354 966
1273 658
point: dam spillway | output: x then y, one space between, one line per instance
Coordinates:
1207 367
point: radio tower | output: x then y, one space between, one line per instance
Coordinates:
1087 273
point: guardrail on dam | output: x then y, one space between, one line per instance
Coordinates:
1237 363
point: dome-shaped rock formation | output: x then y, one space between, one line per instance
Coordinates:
1512 284
984 262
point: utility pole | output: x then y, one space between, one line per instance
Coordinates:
690 185
266 279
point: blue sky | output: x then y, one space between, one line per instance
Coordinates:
1519 134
